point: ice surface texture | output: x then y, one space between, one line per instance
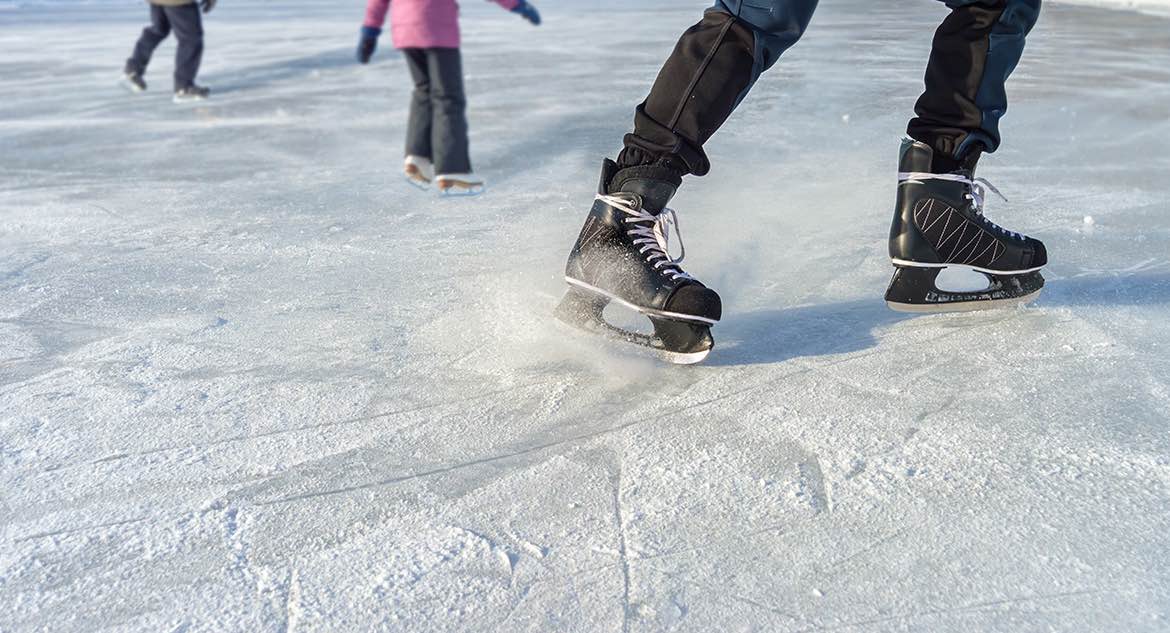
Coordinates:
252 381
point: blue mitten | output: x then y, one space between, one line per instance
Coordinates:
368 43
528 12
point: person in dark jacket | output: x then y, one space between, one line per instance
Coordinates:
182 17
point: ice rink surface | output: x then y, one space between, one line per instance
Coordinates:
250 380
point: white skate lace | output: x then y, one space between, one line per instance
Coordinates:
977 189
651 234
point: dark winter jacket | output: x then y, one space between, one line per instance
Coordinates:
170 3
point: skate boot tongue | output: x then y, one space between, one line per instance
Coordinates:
653 185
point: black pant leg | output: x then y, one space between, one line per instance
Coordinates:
449 112
187 23
418 122
712 68
151 36
975 49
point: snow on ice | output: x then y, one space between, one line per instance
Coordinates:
252 381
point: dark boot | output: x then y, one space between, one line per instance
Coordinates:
939 224
621 255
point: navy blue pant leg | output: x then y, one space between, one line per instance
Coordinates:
187 23
151 37
975 49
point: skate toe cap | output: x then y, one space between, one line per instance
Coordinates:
1039 252
698 300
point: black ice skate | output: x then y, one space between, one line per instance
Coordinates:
133 81
191 93
621 256
939 224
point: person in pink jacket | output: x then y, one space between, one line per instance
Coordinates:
427 33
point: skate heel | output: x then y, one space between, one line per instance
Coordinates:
581 308
911 289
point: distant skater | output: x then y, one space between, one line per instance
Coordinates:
427 33
181 16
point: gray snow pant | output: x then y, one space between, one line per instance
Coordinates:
437 127
717 61
187 24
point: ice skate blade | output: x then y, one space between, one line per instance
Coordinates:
674 342
187 100
914 289
422 185
681 358
131 87
461 192
961 306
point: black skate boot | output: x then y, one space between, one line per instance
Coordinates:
621 256
191 93
132 80
939 224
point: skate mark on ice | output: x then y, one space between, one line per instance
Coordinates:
491 459
292 602
837 565
508 556
524 593
309 427
106 211
722 593
929 413
241 566
812 484
856 467
56 340
977 606
82 528
703 546
620 523
32 262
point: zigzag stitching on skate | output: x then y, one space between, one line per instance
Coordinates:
929 207
955 248
990 246
975 252
918 209
973 243
944 230
962 226
995 247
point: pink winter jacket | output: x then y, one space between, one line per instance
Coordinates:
421 23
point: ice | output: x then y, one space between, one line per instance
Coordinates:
250 380
1159 7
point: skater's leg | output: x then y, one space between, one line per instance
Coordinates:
975 49
939 220
418 123
188 25
712 68
449 116
151 36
